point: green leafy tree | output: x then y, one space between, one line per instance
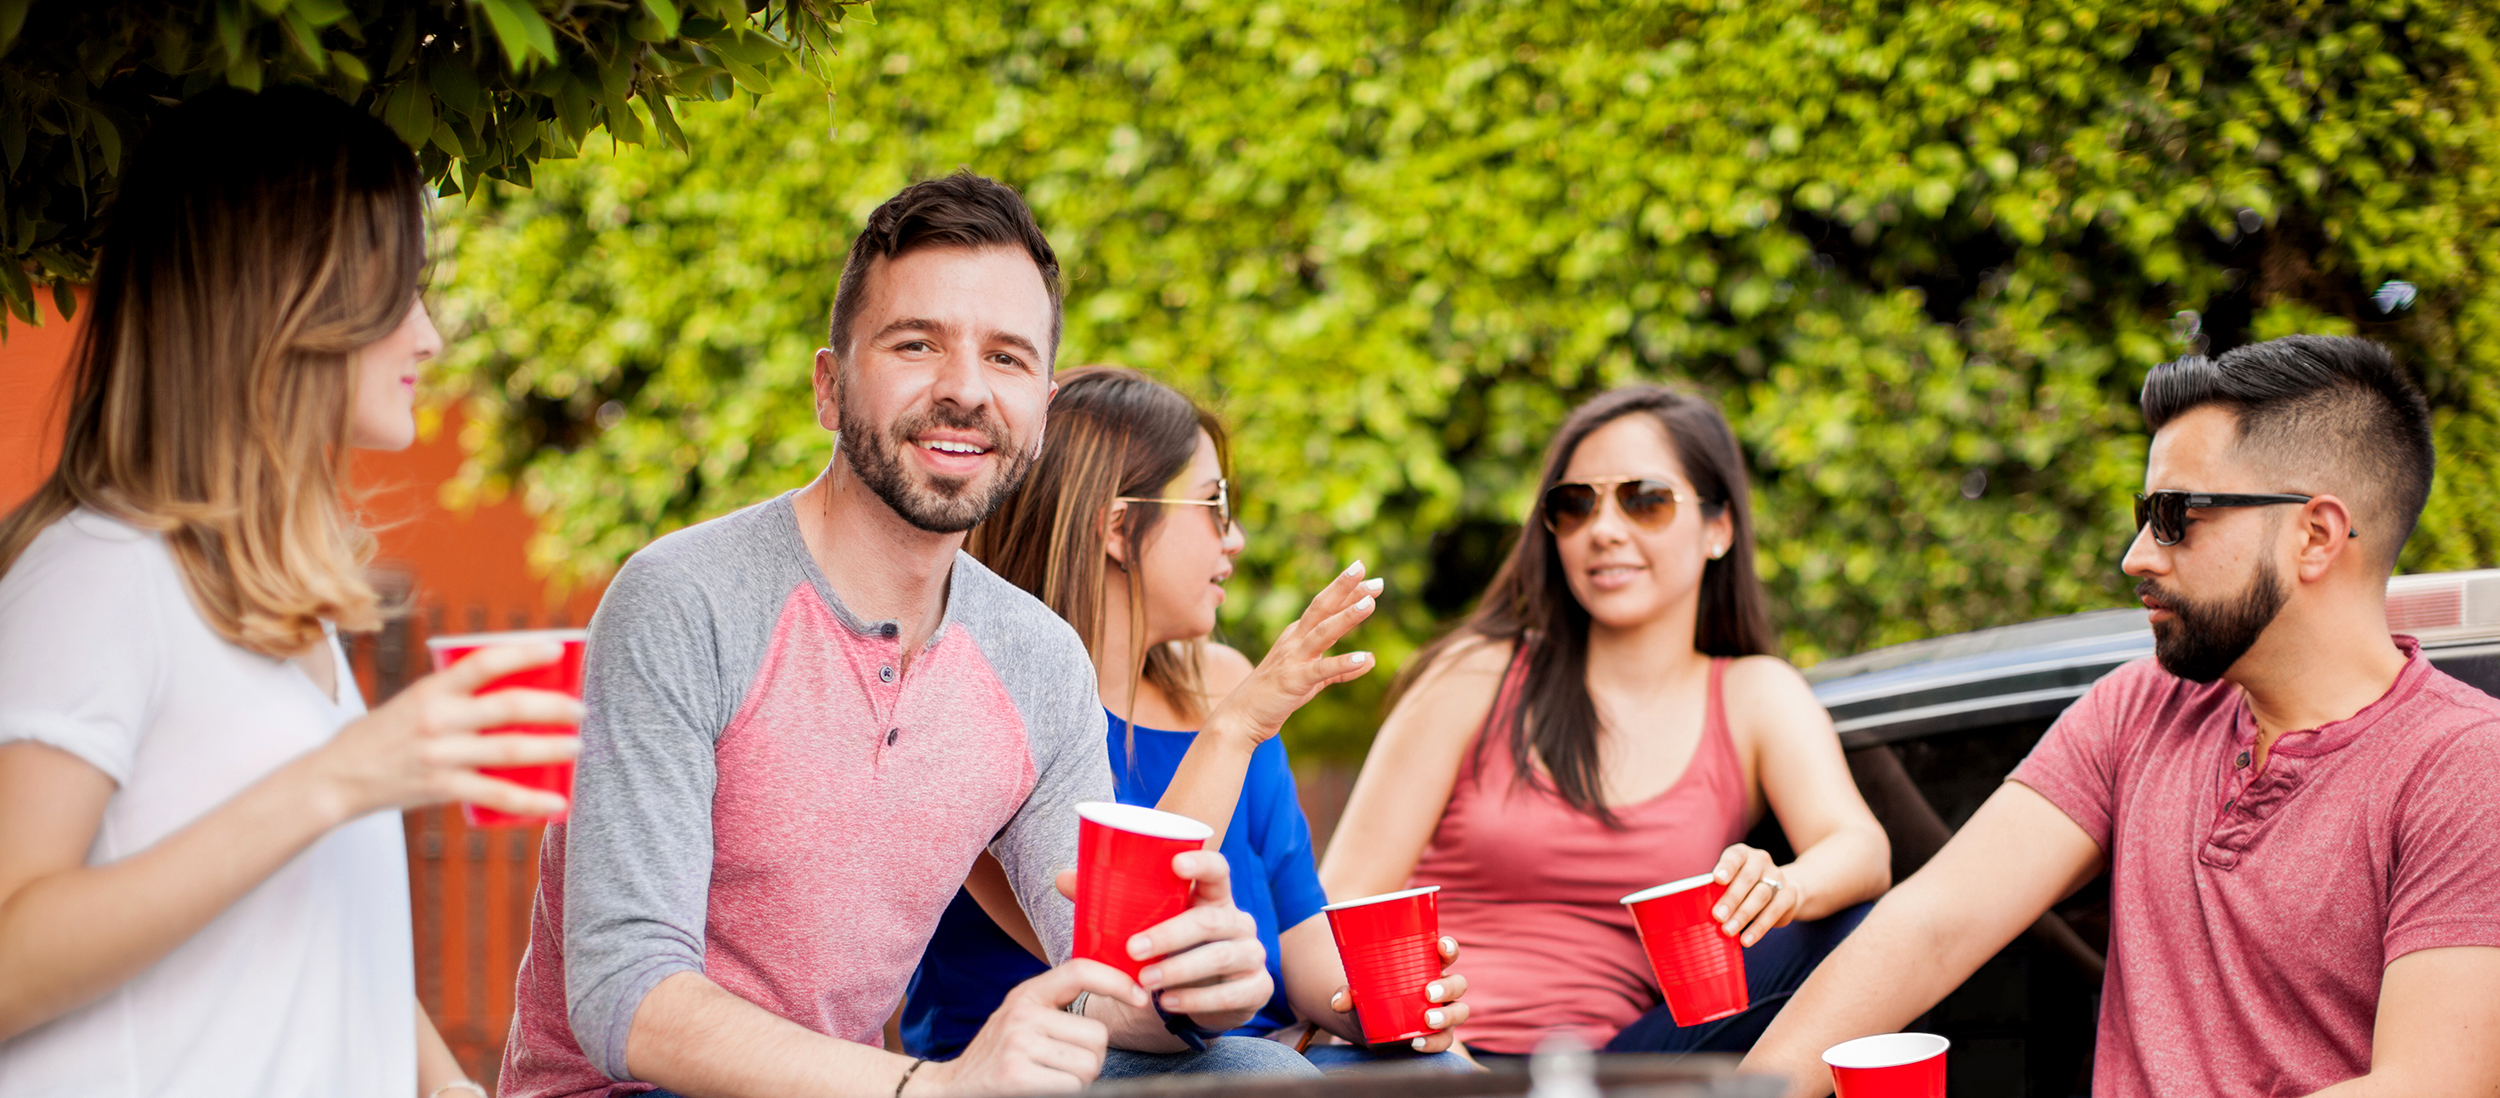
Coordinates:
1921 252
480 88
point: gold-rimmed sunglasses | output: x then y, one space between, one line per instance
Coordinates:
1650 503
1223 503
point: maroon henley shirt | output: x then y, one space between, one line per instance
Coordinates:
2252 911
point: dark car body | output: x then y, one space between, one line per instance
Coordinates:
1955 714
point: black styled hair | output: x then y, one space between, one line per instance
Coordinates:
962 210
2334 410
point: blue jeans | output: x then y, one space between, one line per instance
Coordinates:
1250 1056
1775 968
1336 1058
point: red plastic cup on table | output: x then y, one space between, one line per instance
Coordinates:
1124 879
1888 1065
564 676
1391 946
1700 968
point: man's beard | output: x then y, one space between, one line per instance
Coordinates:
2203 640
942 505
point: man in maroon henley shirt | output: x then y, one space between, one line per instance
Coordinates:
2298 813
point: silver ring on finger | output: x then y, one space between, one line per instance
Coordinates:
1775 885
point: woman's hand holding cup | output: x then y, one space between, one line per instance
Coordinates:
423 748
1760 895
1443 1019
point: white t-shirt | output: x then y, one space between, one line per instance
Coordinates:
307 985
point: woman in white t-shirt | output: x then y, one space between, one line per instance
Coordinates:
203 888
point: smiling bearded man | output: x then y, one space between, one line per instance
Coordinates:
940 504
809 717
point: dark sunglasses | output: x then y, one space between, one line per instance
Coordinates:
1650 504
2166 511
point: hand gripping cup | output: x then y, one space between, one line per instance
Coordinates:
1888 1065
1124 878
564 676
1701 970
1391 946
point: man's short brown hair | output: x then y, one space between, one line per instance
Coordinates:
962 210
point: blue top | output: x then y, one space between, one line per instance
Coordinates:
970 963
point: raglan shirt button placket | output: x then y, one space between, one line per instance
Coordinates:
887 674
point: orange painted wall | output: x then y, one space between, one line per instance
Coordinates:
460 560
463 561
34 362
470 889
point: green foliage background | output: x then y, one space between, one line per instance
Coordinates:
1921 252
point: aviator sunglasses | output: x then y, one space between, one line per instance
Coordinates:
1649 503
1223 504
2166 511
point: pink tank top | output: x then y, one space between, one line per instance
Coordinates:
1529 884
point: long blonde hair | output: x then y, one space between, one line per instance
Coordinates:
257 242
1113 432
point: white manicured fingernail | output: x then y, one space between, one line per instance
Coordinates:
1435 1019
1364 605
1374 584
1359 657
1419 1044
1432 992
1354 569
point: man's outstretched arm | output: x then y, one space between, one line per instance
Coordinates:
695 1038
2018 855
2438 1031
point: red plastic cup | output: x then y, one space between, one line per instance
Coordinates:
1700 968
1391 946
1124 878
1888 1065
564 676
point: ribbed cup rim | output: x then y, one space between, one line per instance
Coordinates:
516 636
1383 898
1668 889
1885 1050
1145 821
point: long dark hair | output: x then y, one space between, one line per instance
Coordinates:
1530 604
1113 432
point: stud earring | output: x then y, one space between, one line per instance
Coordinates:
1717 551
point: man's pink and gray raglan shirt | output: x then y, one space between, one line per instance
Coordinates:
768 797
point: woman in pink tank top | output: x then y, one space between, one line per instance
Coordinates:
1611 718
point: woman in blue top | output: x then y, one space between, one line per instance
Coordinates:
1124 527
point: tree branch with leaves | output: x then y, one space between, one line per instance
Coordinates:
482 89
